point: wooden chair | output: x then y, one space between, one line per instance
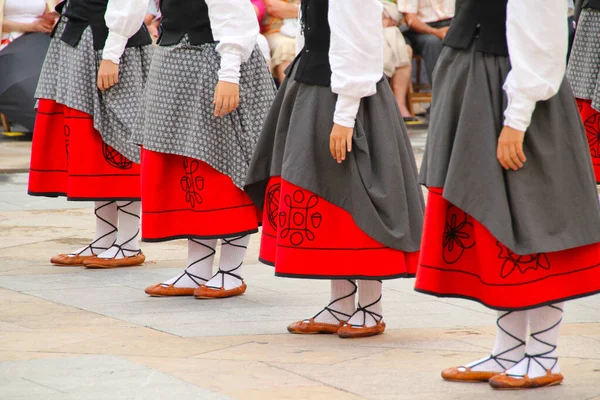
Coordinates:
418 92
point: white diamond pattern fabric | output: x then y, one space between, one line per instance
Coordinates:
69 77
176 115
584 64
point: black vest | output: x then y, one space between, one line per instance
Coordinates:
313 62
83 13
484 19
581 4
181 17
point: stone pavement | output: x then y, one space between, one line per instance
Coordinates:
71 333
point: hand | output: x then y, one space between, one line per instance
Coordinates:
387 22
50 16
148 19
510 149
227 98
153 29
340 141
108 75
441 32
40 24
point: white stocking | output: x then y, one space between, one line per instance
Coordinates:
509 348
369 309
229 275
342 304
540 357
129 228
201 255
106 229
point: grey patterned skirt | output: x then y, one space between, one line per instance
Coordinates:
70 75
549 205
176 112
376 184
584 65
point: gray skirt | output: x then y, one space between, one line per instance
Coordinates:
549 205
376 184
70 74
584 64
176 112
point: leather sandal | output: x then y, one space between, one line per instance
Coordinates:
208 292
160 290
129 261
69 260
310 327
348 331
508 382
455 374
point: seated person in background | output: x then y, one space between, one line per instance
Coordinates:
397 57
24 40
279 27
428 21
263 44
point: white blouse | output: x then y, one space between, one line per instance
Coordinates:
235 27
537 33
22 11
123 19
355 54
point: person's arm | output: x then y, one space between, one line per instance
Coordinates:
123 19
415 24
259 8
235 28
281 9
537 34
39 25
356 59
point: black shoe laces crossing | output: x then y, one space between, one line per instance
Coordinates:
222 273
195 278
365 311
92 246
545 355
499 358
336 313
121 247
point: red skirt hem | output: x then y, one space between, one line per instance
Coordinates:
305 236
185 198
69 158
591 121
460 258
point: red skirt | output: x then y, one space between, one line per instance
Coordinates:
591 121
69 158
461 258
305 236
185 198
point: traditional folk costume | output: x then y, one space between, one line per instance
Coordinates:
80 147
520 242
584 75
194 163
358 220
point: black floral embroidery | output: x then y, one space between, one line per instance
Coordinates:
272 204
513 262
67 132
114 158
191 183
592 130
298 220
458 235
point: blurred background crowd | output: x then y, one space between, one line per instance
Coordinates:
413 35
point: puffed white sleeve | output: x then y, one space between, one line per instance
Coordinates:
355 54
123 19
235 27
537 33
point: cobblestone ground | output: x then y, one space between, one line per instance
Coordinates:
71 333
